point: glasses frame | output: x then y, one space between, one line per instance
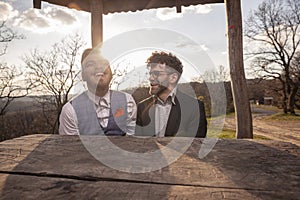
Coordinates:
157 73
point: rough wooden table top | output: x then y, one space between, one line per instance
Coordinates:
62 167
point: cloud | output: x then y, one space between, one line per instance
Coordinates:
44 20
199 9
7 11
167 14
204 47
183 42
32 19
62 16
170 13
192 46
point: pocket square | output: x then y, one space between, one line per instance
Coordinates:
119 112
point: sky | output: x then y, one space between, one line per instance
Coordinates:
203 26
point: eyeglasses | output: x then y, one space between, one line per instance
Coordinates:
156 73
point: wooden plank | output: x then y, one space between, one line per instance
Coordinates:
58 166
236 63
31 187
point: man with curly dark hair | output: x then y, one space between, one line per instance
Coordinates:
169 112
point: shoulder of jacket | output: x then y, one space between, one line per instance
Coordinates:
146 101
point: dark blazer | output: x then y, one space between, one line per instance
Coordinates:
187 117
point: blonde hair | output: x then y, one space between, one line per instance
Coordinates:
92 51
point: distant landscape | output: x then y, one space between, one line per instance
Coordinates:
26 116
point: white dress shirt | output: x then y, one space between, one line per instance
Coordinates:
162 112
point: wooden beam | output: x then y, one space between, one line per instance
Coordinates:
238 81
178 6
112 6
96 7
37 4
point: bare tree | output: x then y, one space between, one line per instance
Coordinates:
10 87
295 70
118 72
7 35
297 100
273 29
55 73
214 76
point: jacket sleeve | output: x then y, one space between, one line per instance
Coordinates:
202 128
144 123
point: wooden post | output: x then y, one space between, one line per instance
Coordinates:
178 4
96 7
37 4
243 116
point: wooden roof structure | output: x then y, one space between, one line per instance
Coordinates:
97 8
112 6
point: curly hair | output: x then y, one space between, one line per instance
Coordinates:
165 58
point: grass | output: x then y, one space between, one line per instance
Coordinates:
260 137
279 113
266 107
283 117
226 133
230 134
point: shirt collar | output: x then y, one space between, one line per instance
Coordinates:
96 99
171 96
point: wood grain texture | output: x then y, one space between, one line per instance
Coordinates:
239 89
59 167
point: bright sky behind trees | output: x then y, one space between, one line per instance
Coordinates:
203 24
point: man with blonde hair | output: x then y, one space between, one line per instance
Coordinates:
99 110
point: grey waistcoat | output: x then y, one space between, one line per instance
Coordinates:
88 122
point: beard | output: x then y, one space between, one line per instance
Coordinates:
157 88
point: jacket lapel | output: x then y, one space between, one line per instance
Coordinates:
174 119
148 118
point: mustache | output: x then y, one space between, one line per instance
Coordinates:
156 82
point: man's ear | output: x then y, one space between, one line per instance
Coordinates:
110 73
174 78
83 75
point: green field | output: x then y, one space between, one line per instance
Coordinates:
229 134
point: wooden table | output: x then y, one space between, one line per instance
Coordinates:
60 167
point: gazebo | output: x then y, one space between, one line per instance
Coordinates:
234 37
